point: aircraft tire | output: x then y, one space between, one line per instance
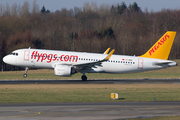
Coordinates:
25 75
84 78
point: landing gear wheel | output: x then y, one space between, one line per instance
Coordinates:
26 70
25 75
84 78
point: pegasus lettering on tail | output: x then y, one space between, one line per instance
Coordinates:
162 48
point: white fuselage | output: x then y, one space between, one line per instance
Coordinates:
37 58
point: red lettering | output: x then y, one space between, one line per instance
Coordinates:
61 57
66 58
155 47
55 57
161 42
164 39
158 45
32 54
39 56
150 51
49 57
72 58
44 56
167 36
35 55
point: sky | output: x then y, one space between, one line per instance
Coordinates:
53 5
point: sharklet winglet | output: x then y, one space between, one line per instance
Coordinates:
110 54
106 52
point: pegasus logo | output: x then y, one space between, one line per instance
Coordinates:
159 44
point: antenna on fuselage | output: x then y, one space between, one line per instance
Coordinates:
29 47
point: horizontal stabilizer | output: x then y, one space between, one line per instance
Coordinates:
169 63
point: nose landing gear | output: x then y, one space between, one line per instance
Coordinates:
26 70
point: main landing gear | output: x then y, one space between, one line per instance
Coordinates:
26 70
83 77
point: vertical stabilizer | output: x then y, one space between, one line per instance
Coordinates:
162 48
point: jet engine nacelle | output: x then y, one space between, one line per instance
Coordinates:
63 70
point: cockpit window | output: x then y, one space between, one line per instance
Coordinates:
16 54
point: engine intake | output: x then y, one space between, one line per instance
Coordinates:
63 70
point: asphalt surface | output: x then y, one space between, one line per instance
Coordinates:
99 81
87 111
91 110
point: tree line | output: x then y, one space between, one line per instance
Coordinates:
92 28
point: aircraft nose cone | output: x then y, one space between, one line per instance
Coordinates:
6 59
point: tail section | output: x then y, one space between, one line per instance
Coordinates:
162 48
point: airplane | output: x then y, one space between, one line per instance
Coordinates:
67 63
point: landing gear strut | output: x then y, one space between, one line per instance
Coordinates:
26 70
83 77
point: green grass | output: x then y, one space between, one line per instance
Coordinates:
36 93
159 118
172 72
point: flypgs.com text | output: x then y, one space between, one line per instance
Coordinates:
53 57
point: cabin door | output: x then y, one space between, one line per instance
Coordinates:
140 63
26 55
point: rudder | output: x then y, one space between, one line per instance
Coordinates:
162 48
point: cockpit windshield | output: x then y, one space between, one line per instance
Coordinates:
16 54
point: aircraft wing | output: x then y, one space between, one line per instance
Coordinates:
93 64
